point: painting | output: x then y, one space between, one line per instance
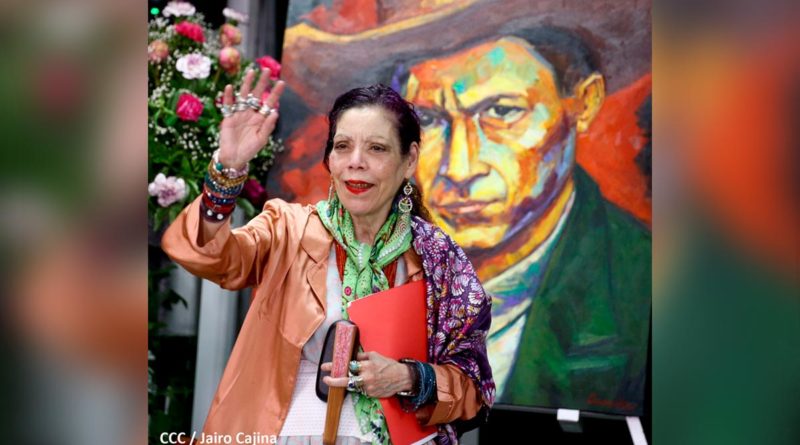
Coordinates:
535 158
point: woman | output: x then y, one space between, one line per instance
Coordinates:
307 262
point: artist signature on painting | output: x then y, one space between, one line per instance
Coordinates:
622 405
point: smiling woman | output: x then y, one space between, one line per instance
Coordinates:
371 234
368 167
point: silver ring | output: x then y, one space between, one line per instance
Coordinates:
355 384
240 106
226 110
253 102
265 109
355 366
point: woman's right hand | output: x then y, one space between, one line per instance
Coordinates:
244 133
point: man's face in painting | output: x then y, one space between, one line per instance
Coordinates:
498 141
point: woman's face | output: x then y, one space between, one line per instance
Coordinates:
366 164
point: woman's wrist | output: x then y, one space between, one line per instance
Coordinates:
408 381
229 167
412 385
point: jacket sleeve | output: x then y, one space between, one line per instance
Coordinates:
457 395
234 259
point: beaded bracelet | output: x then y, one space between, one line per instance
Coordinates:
219 192
230 172
224 192
426 391
218 198
217 176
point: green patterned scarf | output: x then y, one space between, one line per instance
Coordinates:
363 275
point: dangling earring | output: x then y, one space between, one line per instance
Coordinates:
405 205
330 193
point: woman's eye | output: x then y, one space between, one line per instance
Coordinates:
339 146
378 148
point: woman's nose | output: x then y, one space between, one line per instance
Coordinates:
356 159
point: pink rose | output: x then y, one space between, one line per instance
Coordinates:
273 65
229 59
157 51
230 35
191 30
255 193
189 107
168 189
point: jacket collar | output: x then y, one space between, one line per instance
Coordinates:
316 238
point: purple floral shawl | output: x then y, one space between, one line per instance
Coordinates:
459 311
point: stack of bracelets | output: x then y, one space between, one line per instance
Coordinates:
424 390
220 190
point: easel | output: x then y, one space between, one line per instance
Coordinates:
570 420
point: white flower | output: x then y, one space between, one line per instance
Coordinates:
235 15
168 189
179 9
194 66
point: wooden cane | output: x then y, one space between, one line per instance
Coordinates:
344 342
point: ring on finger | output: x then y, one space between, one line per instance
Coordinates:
226 110
355 366
241 104
355 384
253 101
265 109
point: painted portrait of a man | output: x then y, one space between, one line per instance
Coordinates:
501 118
517 104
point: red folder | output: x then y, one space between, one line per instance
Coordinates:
393 323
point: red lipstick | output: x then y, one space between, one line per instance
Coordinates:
357 187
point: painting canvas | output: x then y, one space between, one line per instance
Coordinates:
535 158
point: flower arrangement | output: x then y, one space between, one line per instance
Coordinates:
189 65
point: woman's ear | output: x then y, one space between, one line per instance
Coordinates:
413 160
590 94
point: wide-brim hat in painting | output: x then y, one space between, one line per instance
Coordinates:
332 49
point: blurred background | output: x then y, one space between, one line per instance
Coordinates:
726 297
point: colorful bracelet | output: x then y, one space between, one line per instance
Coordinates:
211 215
217 198
218 207
221 187
223 192
426 386
222 180
231 173
217 172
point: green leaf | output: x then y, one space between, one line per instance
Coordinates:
247 206
158 217
174 210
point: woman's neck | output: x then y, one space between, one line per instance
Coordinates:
367 226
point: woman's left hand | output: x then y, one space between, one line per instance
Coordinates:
382 376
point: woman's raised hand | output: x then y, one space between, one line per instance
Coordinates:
245 132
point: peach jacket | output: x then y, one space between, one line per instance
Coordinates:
283 253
